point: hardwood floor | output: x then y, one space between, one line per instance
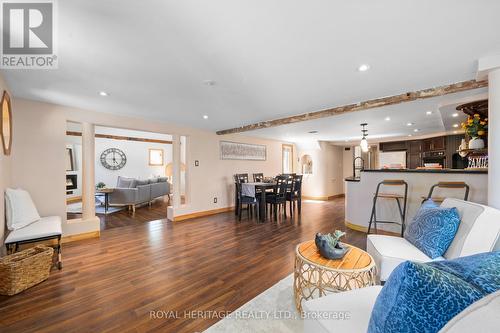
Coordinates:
210 264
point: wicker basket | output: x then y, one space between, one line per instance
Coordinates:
24 269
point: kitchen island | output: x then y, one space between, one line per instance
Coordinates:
359 193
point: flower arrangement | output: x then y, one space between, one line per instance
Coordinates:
100 186
475 127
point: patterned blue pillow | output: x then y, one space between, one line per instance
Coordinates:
481 270
420 298
433 229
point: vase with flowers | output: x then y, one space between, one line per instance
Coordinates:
476 128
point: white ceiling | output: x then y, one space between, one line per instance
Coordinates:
345 129
268 58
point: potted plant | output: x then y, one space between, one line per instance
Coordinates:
476 128
329 245
100 186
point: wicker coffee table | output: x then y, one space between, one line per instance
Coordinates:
315 276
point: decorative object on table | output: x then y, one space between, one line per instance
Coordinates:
329 245
462 148
364 142
24 269
477 162
316 277
100 186
156 157
6 123
113 159
242 151
476 128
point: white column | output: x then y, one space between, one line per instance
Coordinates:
494 138
176 170
88 165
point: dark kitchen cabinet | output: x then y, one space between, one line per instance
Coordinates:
415 146
433 144
439 143
393 146
414 160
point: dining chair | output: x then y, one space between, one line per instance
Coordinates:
295 195
242 177
277 199
251 203
258 177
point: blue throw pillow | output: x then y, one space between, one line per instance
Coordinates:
433 229
420 298
481 270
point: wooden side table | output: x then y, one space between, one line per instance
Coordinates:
315 276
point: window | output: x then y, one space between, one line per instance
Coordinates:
287 158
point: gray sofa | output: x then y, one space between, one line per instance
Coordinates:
132 192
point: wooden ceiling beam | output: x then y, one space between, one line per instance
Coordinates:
119 137
369 104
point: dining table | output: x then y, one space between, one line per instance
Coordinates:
250 190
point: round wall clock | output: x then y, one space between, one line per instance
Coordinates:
113 159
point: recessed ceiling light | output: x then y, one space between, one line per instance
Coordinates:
409 124
209 82
428 113
454 115
103 93
387 118
312 132
363 67
205 117
455 125
416 130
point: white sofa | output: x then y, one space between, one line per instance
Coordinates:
481 316
479 231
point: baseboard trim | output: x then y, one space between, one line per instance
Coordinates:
77 237
324 198
361 228
202 214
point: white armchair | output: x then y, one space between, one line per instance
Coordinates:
479 231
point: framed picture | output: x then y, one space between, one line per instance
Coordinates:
156 157
69 159
242 151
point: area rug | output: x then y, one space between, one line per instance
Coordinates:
76 208
271 311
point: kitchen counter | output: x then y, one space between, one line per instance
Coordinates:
359 193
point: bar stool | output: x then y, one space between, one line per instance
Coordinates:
454 185
397 197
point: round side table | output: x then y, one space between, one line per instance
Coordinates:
315 276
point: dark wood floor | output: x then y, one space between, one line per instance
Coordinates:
144 213
213 263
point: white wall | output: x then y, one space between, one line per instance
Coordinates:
327 177
5 173
39 151
137 165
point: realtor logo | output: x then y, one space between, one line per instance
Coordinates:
28 31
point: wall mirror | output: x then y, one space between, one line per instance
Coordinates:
6 123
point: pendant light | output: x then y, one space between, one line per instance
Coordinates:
364 143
